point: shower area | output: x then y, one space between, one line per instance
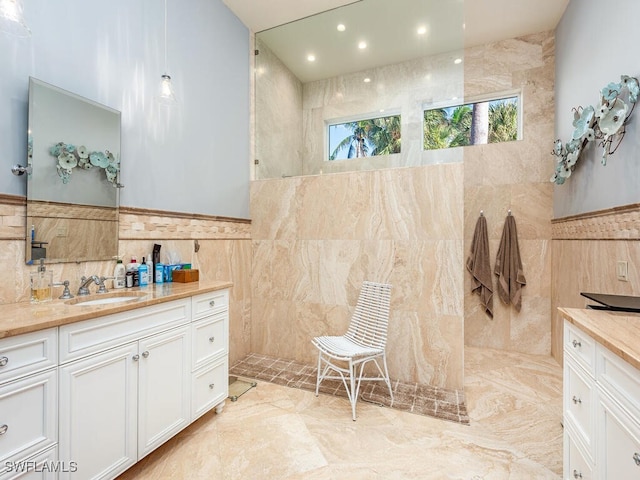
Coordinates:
320 227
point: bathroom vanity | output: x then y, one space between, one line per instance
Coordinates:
88 390
601 394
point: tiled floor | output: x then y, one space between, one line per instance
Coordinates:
410 397
276 432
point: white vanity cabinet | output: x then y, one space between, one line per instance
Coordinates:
120 403
90 398
28 402
601 411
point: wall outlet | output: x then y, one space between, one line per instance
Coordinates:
622 271
62 231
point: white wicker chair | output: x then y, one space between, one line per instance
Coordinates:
364 342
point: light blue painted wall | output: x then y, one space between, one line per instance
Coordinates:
595 44
193 158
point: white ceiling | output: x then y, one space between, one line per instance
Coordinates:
388 26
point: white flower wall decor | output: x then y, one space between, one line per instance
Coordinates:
69 157
605 125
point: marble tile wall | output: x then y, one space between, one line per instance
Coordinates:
224 254
584 255
513 176
402 88
278 117
316 238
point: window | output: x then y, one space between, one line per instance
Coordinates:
490 121
364 138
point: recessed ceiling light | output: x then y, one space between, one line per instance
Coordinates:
311 57
367 80
362 45
457 61
422 30
341 27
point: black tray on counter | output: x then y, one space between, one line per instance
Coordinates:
615 303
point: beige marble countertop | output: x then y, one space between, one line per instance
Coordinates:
18 318
618 331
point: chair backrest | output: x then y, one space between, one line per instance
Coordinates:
370 319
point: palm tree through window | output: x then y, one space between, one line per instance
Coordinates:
365 138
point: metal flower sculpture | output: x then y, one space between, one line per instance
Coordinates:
605 124
69 156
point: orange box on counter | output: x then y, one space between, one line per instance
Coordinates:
185 276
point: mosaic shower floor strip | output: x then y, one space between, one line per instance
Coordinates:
410 397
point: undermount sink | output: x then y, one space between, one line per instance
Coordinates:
106 299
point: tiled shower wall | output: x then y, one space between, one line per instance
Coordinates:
513 176
316 238
224 254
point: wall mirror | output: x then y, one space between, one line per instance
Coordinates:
72 182
350 66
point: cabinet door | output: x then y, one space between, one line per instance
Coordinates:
164 388
27 417
619 449
97 415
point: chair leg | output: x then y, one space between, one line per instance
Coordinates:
318 377
353 397
387 380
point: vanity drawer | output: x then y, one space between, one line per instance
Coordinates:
38 467
80 339
209 387
576 465
28 420
619 379
28 353
580 346
209 303
209 339
578 401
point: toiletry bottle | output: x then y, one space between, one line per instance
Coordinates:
151 273
133 268
119 273
41 284
143 273
159 267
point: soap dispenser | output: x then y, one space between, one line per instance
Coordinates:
41 284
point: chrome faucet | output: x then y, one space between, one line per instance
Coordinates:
85 282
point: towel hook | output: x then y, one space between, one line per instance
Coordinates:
509 212
482 213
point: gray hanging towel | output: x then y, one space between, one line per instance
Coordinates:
479 267
509 266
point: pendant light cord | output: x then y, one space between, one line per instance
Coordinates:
165 37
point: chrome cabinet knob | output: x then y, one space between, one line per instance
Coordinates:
576 400
212 339
212 385
636 458
3 429
145 354
576 344
577 474
4 361
136 357
212 303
